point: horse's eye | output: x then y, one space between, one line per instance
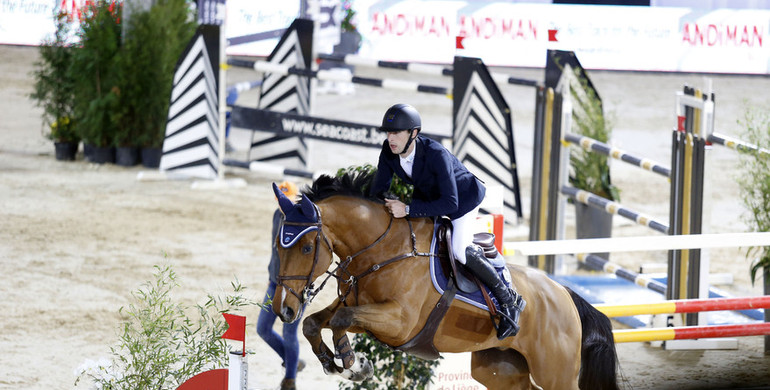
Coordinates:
307 249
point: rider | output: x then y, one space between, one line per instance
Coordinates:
442 186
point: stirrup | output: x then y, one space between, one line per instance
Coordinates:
506 320
513 328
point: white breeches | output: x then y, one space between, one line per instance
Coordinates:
463 229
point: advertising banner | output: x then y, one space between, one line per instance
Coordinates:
603 37
667 39
26 22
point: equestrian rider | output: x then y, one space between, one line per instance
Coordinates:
442 187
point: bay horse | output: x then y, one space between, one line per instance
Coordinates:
384 289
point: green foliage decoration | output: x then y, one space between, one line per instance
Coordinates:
398 188
349 14
53 89
754 183
590 171
160 344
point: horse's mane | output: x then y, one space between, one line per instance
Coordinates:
351 183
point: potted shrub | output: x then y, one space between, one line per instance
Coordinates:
350 39
590 171
154 40
95 77
53 89
754 183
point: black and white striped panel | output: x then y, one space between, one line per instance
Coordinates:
211 12
286 93
483 132
191 144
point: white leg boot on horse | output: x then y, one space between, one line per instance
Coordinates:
511 304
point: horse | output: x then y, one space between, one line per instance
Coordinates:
384 289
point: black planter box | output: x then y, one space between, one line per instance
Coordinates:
66 151
151 157
127 156
101 155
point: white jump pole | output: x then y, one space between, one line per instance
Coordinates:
633 244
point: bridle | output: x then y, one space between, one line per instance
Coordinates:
309 291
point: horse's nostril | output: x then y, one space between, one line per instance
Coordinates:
287 314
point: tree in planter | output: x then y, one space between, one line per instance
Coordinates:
590 171
754 182
54 88
393 369
154 40
94 72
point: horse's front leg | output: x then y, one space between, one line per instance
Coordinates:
382 320
311 328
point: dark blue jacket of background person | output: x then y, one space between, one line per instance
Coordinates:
442 184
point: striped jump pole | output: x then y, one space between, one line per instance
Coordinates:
686 306
613 208
734 144
691 332
414 67
404 85
599 263
618 154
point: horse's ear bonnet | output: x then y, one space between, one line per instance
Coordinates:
304 213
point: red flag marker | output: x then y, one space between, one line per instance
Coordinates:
552 35
459 42
236 329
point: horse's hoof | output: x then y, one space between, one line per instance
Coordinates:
360 371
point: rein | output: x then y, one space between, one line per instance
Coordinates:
309 291
352 280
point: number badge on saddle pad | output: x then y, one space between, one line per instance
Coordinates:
301 218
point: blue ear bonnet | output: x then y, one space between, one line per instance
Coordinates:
303 213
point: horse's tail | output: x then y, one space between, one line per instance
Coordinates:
599 360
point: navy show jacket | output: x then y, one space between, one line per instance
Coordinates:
442 184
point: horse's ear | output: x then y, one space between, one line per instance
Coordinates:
284 202
308 208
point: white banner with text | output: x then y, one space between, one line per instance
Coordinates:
664 39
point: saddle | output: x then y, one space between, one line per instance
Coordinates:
458 279
464 281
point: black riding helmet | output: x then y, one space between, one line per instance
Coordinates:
401 117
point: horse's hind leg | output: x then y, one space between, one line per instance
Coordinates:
500 369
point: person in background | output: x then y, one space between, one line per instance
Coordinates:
443 186
287 347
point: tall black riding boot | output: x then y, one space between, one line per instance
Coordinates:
511 304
